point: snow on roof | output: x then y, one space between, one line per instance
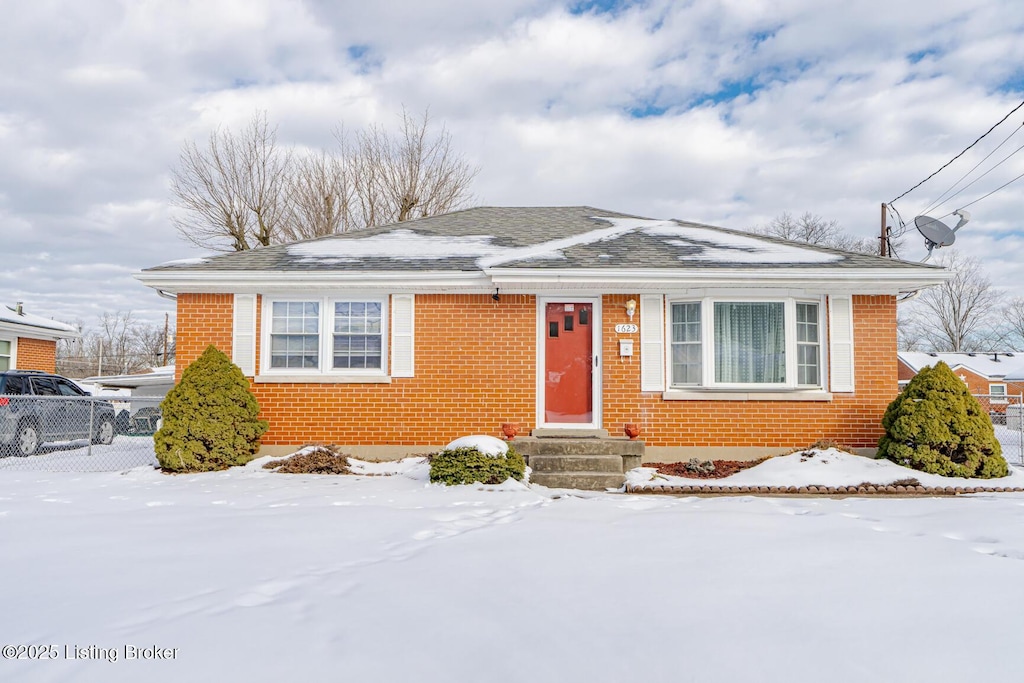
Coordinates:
195 260
722 246
11 315
1007 366
402 245
158 376
703 244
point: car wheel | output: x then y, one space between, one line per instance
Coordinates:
104 433
27 441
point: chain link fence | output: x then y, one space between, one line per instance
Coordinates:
77 433
1007 413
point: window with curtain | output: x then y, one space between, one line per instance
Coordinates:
750 342
295 334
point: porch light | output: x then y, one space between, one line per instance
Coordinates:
630 308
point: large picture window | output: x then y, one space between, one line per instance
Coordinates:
326 335
745 344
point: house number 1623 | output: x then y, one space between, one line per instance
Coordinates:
626 329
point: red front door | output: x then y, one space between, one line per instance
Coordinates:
568 369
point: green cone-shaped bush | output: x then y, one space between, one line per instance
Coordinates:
936 426
210 419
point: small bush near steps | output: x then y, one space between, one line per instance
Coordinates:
210 418
312 460
936 426
454 466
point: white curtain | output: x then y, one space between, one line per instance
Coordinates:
750 343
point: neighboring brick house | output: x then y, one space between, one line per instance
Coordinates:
995 375
29 342
713 341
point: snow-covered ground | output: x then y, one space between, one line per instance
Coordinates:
248 575
125 452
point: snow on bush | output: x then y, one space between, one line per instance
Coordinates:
478 458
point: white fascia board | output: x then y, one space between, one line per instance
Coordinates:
833 280
278 281
32 332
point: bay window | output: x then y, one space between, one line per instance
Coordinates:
745 344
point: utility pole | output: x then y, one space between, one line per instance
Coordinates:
883 246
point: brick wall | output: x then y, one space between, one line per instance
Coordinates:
476 368
37 354
202 319
853 420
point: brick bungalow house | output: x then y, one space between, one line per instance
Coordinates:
994 374
401 337
29 342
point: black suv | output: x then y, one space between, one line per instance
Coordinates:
37 407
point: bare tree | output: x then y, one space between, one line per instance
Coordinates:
321 198
813 229
411 174
242 191
1013 318
232 191
962 314
117 345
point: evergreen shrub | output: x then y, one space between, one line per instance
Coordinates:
210 419
468 465
936 426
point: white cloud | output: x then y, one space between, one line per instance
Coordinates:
752 109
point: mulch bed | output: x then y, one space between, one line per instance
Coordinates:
862 490
723 468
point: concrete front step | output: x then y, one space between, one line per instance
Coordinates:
576 463
530 446
585 481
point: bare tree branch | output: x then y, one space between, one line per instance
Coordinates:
232 191
962 314
813 229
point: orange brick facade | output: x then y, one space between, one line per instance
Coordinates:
476 367
37 354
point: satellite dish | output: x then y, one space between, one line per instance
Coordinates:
936 233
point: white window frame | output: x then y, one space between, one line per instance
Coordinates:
708 382
326 371
13 356
992 395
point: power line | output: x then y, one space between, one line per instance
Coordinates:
982 137
987 195
938 202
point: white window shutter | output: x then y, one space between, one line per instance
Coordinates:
243 334
402 334
840 335
652 343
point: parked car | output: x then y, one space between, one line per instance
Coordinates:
36 407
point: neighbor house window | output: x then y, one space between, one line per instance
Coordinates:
327 335
5 354
746 343
997 392
295 334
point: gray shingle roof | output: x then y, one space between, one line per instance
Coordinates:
580 237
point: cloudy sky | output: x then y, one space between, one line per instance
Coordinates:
727 112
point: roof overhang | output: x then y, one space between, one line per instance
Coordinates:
839 280
35 332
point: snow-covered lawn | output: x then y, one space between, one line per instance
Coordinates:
249 575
